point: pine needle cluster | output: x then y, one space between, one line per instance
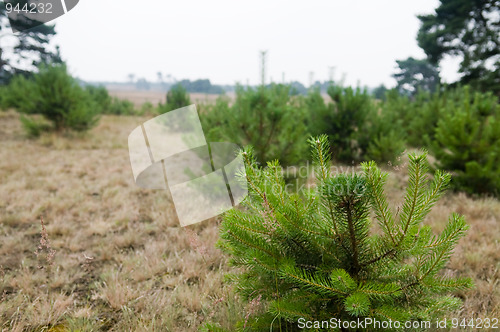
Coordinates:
315 255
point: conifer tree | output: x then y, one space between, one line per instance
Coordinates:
57 96
177 97
268 118
314 256
467 142
357 128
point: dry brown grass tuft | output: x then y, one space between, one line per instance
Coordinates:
124 264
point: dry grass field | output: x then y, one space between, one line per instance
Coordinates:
121 260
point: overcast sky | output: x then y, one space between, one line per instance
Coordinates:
104 40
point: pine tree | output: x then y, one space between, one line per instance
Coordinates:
468 31
345 120
467 141
268 118
177 97
313 255
416 75
57 96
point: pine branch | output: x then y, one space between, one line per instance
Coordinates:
290 309
250 244
376 180
342 280
414 194
321 159
448 238
357 304
380 291
311 282
417 203
354 240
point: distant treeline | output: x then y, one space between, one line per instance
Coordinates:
205 86
196 86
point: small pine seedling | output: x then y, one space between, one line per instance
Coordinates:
315 257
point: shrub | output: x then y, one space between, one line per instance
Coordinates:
108 105
121 107
314 257
467 142
383 141
269 119
33 126
317 111
355 125
424 115
21 94
3 103
101 97
147 108
177 97
419 116
55 95
381 137
405 112
346 117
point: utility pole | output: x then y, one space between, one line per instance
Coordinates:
263 59
331 74
311 79
342 80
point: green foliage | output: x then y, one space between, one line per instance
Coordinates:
386 142
348 114
382 137
314 256
317 111
379 92
469 30
3 94
341 120
147 108
33 126
20 94
177 97
269 119
55 95
356 126
101 98
414 75
461 129
107 105
417 118
121 107
467 142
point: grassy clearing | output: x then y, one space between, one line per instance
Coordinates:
122 261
